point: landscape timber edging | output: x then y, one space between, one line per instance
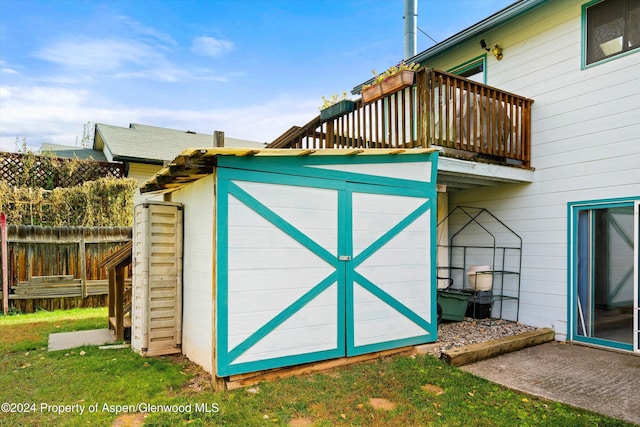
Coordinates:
475 352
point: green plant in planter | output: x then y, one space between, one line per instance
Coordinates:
335 106
332 100
391 71
395 78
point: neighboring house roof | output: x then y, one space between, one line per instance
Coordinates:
71 152
476 30
154 145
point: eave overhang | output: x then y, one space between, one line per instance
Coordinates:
196 163
457 174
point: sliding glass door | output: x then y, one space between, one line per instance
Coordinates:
604 262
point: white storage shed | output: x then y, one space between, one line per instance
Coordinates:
297 256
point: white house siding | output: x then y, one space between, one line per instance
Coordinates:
585 143
143 172
197 319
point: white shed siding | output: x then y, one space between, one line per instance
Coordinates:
400 268
197 320
321 261
261 253
420 171
310 210
301 333
585 145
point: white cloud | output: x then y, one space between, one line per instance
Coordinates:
209 46
99 55
134 51
8 71
55 115
41 114
136 28
259 122
86 58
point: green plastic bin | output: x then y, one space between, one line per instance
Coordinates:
453 304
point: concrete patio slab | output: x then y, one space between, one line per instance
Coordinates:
603 381
68 340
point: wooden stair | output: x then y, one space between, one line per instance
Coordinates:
119 294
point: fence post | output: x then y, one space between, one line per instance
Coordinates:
82 251
5 264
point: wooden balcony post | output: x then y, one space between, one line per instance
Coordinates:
330 134
424 119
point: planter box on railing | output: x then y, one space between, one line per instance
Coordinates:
371 93
389 85
336 110
397 81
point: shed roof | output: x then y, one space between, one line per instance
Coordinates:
195 163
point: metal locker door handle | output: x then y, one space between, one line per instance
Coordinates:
344 258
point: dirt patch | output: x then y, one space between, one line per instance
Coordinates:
332 374
31 332
130 420
434 389
199 381
300 422
382 404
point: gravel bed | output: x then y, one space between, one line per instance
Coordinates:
470 331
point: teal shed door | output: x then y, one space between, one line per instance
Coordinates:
313 268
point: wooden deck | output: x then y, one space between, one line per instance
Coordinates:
465 118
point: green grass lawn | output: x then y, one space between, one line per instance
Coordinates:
49 389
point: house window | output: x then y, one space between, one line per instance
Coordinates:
473 70
612 28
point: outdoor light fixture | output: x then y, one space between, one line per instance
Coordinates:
496 51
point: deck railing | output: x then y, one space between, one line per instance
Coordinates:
440 109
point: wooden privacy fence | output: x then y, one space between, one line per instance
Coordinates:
58 267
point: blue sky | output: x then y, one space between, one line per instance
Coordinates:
250 68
